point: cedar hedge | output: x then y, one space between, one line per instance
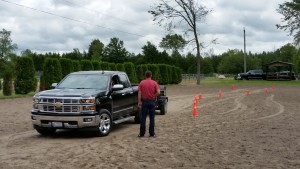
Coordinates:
86 65
66 66
96 65
131 73
25 79
120 67
51 72
7 82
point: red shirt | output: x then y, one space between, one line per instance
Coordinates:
148 89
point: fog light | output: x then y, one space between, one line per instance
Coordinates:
33 117
87 119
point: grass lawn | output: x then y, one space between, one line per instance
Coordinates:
212 81
15 95
208 81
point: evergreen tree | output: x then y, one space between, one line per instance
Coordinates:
25 78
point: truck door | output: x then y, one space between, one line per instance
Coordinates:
128 94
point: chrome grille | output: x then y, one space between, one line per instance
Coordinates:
66 105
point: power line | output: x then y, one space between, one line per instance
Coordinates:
75 20
99 12
111 16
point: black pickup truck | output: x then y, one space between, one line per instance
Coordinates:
251 74
94 100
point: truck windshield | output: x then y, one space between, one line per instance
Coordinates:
84 81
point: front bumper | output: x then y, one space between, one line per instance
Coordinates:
71 122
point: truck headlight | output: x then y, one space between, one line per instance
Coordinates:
35 100
88 100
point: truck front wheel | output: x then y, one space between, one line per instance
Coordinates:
105 123
45 131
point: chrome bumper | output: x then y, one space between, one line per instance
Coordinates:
65 121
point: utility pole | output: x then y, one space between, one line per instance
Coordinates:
245 69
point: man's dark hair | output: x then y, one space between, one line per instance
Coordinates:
148 74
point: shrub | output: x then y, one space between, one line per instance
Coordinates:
66 66
170 73
0 85
112 66
96 65
140 72
120 67
104 65
86 65
7 81
76 65
155 72
174 75
25 78
51 72
178 74
163 74
130 70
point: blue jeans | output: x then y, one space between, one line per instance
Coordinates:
148 106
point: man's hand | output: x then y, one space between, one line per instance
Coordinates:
139 104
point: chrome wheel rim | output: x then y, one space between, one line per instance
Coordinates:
104 125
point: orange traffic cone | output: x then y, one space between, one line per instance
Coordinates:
220 93
273 88
195 111
200 96
247 92
266 90
232 87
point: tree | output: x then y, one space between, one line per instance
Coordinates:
290 12
95 51
66 66
151 54
26 52
25 80
6 45
172 42
115 51
178 12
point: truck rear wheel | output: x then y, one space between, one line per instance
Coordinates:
105 123
164 108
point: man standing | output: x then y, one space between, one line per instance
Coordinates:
148 90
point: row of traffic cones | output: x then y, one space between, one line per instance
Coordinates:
195 107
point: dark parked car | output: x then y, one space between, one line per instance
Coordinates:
251 74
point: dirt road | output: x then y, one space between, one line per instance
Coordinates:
261 130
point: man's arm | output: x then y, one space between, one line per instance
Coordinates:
139 99
157 90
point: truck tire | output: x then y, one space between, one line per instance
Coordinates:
137 118
164 108
45 131
105 123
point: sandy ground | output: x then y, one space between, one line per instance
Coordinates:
235 131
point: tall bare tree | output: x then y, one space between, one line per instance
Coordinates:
188 13
291 18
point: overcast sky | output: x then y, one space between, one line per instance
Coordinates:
62 25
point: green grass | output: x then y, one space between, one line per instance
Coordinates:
212 81
15 95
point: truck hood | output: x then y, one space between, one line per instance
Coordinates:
71 93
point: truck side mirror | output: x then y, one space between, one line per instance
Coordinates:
53 85
117 87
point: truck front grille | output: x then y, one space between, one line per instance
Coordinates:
58 105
